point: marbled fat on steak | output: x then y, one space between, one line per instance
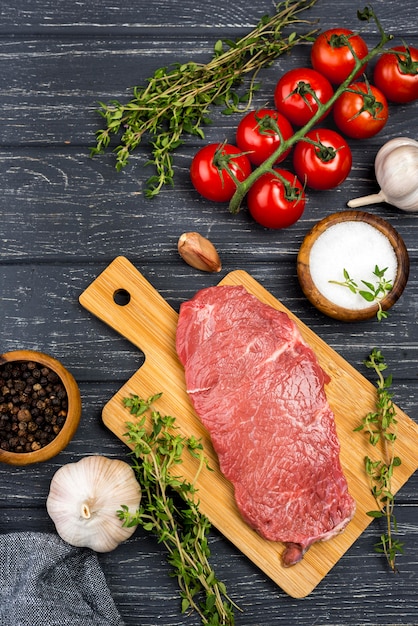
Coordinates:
258 389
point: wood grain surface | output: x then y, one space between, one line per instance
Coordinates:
149 322
64 217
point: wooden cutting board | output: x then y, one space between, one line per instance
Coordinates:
149 322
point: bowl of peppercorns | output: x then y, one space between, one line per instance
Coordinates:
40 407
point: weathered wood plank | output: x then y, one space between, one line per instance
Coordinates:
47 191
44 309
138 577
50 89
94 17
64 217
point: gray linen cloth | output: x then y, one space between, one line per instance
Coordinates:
46 582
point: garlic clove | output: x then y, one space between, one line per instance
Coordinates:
84 498
199 252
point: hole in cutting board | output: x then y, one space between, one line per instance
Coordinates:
121 297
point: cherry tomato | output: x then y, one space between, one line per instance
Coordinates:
261 132
324 164
293 99
396 74
361 111
276 201
210 171
332 57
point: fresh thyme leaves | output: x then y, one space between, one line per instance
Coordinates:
177 99
373 293
381 426
170 510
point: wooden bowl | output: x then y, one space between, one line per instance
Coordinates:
323 303
72 418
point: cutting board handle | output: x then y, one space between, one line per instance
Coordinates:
123 298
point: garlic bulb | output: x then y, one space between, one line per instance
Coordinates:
84 498
396 168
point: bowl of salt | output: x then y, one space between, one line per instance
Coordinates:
353 265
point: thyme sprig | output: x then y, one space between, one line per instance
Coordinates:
373 293
169 508
177 99
381 426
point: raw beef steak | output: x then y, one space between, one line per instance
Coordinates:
259 390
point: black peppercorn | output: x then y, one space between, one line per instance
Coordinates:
33 406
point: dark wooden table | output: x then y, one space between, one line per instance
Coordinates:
64 217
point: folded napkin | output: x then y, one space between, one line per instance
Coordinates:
46 582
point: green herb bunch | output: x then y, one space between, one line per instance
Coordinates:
177 99
380 426
371 292
169 509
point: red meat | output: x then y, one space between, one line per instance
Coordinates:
258 389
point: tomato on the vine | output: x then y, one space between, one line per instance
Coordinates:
332 54
396 74
276 201
261 132
212 167
323 159
293 94
361 111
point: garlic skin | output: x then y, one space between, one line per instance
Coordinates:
84 498
199 252
396 169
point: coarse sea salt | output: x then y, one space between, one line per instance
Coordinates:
357 247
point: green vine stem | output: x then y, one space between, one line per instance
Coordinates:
267 166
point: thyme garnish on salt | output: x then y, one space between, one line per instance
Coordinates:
371 292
